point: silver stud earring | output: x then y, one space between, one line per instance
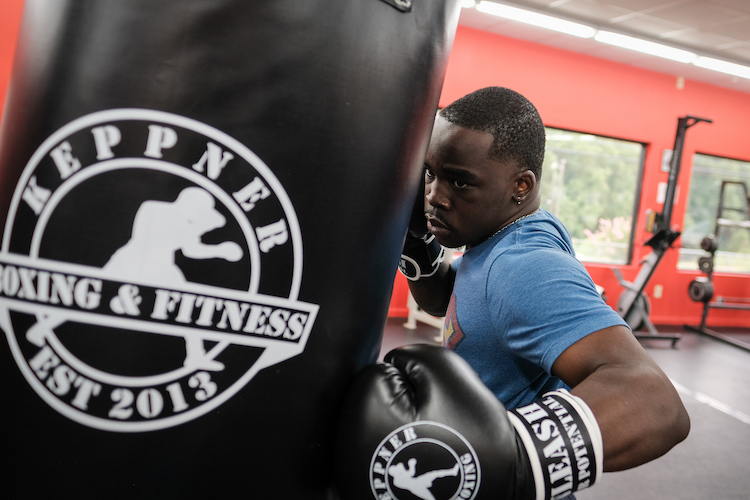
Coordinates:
518 201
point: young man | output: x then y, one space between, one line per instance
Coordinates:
524 326
518 306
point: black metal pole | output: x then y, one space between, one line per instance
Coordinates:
683 124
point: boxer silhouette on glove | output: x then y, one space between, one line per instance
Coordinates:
419 486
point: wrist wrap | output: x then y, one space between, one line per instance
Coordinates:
563 443
420 257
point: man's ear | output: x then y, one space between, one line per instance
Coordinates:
525 184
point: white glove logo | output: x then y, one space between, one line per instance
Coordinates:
406 478
425 459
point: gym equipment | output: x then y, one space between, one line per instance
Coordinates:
633 304
204 204
701 289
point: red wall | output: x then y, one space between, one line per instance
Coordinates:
10 18
586 94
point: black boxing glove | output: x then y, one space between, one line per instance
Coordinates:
422 254
423 425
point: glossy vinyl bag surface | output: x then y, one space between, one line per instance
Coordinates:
203 206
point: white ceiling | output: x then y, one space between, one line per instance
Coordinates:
714 28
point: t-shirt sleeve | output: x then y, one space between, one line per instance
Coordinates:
456 262
544 301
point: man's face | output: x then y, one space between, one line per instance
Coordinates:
468 195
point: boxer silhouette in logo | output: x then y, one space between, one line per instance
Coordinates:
419 486
160 229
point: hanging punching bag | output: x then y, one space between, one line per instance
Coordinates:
204 204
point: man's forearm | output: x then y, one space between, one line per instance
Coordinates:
433 293
637 408
639 413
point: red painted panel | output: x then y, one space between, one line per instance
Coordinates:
10 20
399 298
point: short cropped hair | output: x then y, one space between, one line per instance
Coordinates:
510 118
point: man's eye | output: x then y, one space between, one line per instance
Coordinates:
428 174
460 184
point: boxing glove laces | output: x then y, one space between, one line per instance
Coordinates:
423 425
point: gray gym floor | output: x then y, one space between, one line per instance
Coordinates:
713 378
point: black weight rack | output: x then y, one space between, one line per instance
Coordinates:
701 289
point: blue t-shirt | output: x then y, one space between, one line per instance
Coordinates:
520 299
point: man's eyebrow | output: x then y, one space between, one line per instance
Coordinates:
459 173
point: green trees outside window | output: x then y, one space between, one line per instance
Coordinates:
591 183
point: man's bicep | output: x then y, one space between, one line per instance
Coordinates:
612 346
635 405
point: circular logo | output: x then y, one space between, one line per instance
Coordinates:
149 268
424 460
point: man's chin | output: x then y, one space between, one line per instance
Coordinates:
450 243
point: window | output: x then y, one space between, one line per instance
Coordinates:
708 172
591 183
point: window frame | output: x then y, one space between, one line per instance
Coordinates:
638 178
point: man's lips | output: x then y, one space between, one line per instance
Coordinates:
435 223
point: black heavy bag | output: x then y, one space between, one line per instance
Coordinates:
204 204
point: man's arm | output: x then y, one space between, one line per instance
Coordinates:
434 292
637 408
430 277
622 412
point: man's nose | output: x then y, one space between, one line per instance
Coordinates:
436 195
